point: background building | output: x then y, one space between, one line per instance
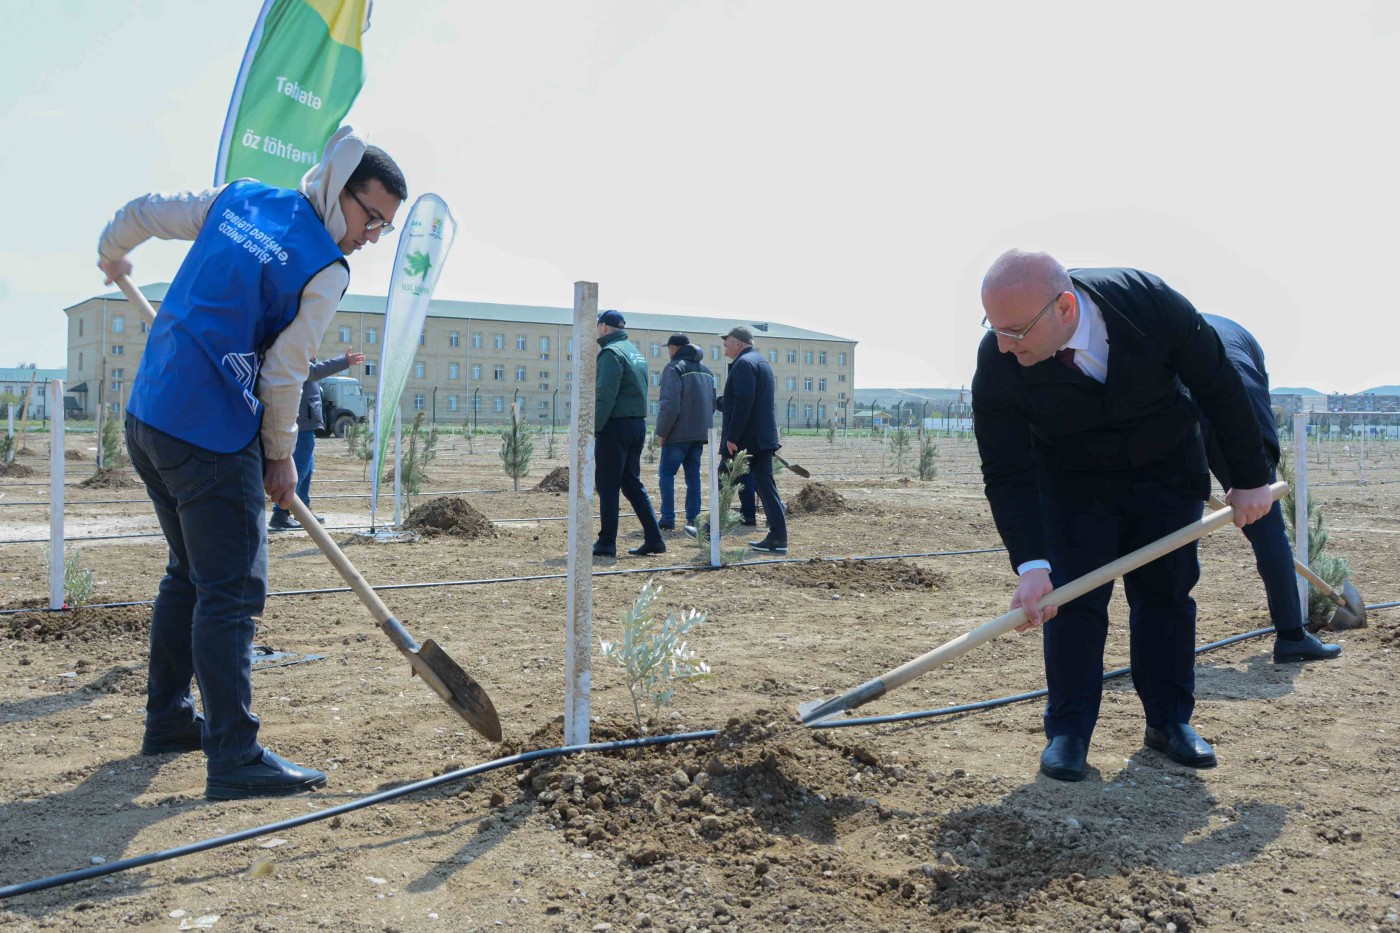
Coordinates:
475 359
16 385
1368 401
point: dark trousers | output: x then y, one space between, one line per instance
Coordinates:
677 456
304 458
760 480
1091 520
210 507
617 454
1274 557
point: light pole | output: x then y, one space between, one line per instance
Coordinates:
553 410
435 388
819 411
475 408
789 413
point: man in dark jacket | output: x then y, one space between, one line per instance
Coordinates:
682 425
751 424
1268 537
1088 455
310 419
619 433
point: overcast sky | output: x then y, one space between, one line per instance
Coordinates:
847 167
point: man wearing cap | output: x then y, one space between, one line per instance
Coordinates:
751 424
619 433
682 424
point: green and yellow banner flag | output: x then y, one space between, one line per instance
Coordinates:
301 72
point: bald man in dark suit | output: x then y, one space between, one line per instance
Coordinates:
1090 450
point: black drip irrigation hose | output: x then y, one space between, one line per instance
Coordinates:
110 868
347 495
545 576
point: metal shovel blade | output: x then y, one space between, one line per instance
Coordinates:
1351 613
457 688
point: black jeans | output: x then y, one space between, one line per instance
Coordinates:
617 454
210 507
761 471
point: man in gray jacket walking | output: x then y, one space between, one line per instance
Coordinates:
682 425
310 419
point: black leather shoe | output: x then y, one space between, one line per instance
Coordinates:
283 522
602 550
175 743
1179 742
691 530
652 547
1065 758
666 526
749 523
268 775
769 546
1308 648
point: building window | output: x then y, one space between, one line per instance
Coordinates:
423 338
520 374
453 371
792 383
420 370
821 357
772 356
544 346
80 327
371 367
544 374
454 339
452 403
821 412
418 402
807 412
821 385
841 378
498 373
476 341
371 335
118 324
145 328
714 353
792 356
569 346
344 334
544 387
656 379
655 407
841 359
498 403
80 363
807 384
655 348
499 341
118 373
807 357
520 342
118 350
476 372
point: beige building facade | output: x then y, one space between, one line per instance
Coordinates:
475 359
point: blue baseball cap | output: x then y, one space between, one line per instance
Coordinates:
612 319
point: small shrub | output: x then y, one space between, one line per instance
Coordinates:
928 456
111 443
517 447
653 655
724 508
78 584
899 446
1334 570
422 450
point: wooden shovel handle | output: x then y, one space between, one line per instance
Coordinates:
362 589
1072 590
1303 569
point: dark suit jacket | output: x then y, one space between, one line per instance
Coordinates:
1247 357
1047 419
750 420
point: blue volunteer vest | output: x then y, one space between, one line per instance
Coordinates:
238 288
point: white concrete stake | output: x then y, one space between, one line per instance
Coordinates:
398 468
578 644
11 429
1300 502
715 522
56 555
1361 461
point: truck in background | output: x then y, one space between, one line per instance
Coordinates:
342 404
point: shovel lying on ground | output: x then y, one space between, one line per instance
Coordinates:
1350 611
797 468
815 711
427 660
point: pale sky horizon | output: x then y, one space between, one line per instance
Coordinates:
848 168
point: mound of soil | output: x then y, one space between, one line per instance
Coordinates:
73 455
450 515
98 624
109 479
817 499
858 575
17 469
556 480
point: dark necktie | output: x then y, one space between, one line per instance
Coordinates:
1066 356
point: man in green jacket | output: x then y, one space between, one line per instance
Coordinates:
619 433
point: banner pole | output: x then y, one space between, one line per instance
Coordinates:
578 643
398 468
1300 503
716 522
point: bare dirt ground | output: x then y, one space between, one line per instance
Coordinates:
936 824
